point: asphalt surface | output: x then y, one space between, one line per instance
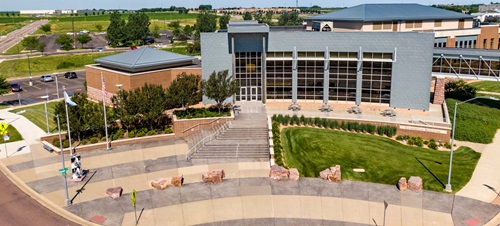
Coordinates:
32 94
20 209
51 46
14 37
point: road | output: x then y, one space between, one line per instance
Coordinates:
20 209
16 36
32 94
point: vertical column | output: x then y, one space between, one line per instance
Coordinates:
326 77
359 77
263 69
233 59
294 75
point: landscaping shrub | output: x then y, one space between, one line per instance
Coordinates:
295 120
371 129
55 142
65 143
168 130
317 122
65 64
417 141
400 138
201 113
140 134
432 144
151 133
325 123
381 130
344 126
131 134
426 142
302 120
334 124
84 141
277 144
279 119
447 145
94 140
103 138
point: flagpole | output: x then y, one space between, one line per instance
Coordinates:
104 107
67 123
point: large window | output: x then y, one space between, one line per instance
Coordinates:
376 84
466 66
279 79
342 80
310 76
248 68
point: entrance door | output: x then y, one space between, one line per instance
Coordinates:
243 93
253 93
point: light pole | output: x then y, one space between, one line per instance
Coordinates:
57 85
67 201
448 185
46 112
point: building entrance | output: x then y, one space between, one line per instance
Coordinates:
249 93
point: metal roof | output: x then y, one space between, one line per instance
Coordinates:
247 26
389 12
143 58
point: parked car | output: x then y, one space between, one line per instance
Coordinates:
70 74
100 49
15 87
46 78
148 41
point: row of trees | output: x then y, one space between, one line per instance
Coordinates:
132 32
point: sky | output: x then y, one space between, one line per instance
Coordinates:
16 5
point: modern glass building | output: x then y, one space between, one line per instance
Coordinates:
294 66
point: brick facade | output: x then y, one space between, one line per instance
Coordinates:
180 125
129 81
439 91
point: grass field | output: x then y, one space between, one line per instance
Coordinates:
385 161
475 123
487 86
15 49
48 64
16 19
63 27
36 114
14 135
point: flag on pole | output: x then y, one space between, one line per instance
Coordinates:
68 100
104 89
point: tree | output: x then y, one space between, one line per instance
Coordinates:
137 27
268 19
247 16
206 22
156 31
289 19
41 47
174 24
4 86
205 7
223 21
188 30
184 91
30 43
46 28
98 27
83 39
143 105
86 14
116 29
219 87
459 90
65 41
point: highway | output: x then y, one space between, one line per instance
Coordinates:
16 36
32 94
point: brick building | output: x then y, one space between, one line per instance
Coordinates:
133 69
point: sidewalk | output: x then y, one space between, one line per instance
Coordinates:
30 132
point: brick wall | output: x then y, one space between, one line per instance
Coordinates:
439 91
180 125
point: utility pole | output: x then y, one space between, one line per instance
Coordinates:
73 28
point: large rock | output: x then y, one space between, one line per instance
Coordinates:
402 184
278 173
217 176
415 183
324 174
293 174
332 174
114 193
161 183
214 176
177 181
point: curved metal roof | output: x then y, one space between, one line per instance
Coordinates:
389 12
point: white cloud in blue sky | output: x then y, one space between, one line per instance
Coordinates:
6 5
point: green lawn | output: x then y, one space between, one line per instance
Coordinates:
36 114
63 27
179 50
487 86
13 134
48 64
312 150
476 121
15 49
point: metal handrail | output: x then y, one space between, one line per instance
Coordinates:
199 124
206 139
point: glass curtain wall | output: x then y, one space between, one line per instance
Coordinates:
343 73
461 66
310 74
248 66
377 71
279 75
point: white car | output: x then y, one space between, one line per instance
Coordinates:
69 33
46 78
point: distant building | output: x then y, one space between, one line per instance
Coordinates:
483 16
261 10
451 29
488 7
133 69
47 12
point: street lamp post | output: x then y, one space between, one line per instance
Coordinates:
448 185
57 85
46 112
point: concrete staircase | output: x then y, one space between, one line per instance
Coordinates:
246 138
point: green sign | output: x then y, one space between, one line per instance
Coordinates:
3 128
132 197
63 171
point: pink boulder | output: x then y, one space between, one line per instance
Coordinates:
402 184
294 174
161 183
177 181
278 173
415 183
114 193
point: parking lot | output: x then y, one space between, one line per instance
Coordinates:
52 46
32 94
